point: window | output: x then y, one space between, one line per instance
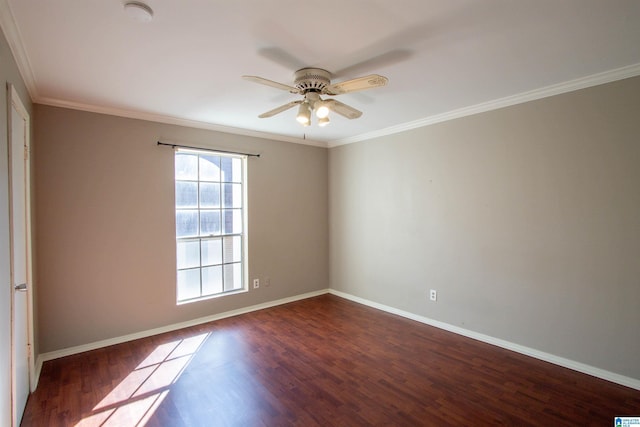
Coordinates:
210 224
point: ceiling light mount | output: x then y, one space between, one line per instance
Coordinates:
138 11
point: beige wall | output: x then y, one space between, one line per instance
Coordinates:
9 74
526 220
106 233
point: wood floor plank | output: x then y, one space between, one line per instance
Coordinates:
323 361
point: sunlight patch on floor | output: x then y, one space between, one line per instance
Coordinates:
134 400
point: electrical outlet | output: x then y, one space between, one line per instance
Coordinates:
256 283
266 281
433 295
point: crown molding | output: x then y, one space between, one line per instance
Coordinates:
159 118
12 34
532 95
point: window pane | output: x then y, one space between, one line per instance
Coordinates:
188 284
212 280
231 169
209 168
188 254
186 194
232 276
212 251
232 219
209 195
237 170
187 166
209 223
226 169
232 195
186 223
232 249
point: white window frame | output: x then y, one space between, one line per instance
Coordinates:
204 237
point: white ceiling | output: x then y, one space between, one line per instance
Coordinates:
443 58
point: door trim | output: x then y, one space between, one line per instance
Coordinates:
14 102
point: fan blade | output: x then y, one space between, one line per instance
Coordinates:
271 83
280 109
361 83
343 109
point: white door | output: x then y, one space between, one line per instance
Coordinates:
20 239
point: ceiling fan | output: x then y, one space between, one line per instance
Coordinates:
313 82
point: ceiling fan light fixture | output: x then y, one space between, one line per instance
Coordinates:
311 83
322 122
304 114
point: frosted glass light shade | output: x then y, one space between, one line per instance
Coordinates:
322 111
304 115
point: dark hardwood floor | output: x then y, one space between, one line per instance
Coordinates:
323 361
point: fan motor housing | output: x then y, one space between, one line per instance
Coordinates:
311 79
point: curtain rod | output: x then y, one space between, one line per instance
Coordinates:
208 149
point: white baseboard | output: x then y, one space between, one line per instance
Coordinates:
118 340
547 357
